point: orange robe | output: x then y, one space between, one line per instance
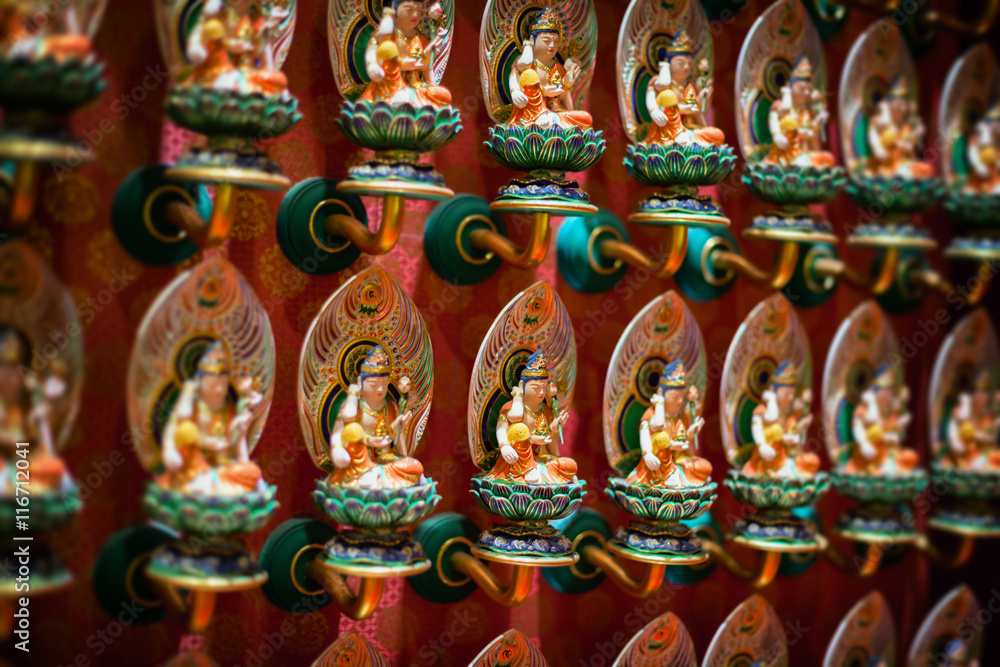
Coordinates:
538 104
688 95
667 134
215 65
694 469
426 93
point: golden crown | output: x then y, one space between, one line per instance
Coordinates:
214 360
535 368
376 363
785 375
900 87
673 376
884 377
803 70
680 45
547 20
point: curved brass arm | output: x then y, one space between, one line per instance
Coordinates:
204 234
372 243
931 279
24 194
195 609
659 268
777 277
961 556
767 567
867 567
641 588
358 606
527 257
977 28
829 266
509 595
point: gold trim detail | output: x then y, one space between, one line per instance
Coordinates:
576 542
592 259
706 252
438 565
295 561
147 212
458 239
312 225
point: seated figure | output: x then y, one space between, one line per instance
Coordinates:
403 74
665 431
878 425
796 122
542 427
368 459
973 428
779 428
984 155
894 136
540 86
680 117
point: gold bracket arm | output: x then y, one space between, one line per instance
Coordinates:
528 257
830 267
931 279
961 556
372 243
861 567
509 595
767 567
358 606
195 609
24 194
777 277
977 28
640 588
659 268
212 233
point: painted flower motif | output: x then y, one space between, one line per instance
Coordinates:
970 484
971 208
896 195
252 216
549 148
55 86
662 166
278 274
403 127
376 509
210 516
659 504
213 111
524 502
774 492
792 184
71 200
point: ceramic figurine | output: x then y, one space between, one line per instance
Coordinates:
964 423
866 636
519 402
665 86
947 636
40 390
548 55
766 414
664 642
351 650
228 84
388 59
200 382
969 127
866 413
363 413
511 649
781 120
752 634
652 407
881 138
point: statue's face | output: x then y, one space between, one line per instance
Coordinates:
409 15
785 395
11 384
980 401
800 93
884 399
534 390
546 45
375 387
213 389
673 400
897 109
680 69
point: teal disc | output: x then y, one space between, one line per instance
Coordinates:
301 226
138 215
447 242
806 289
585 527
119 578
904 295
698 277
707 528
441 536
578 251
284 557
794 564
829 16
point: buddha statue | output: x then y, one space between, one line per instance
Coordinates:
665 432
983 153
879 426
60 35
528 423
367 458
205 449
540 86
403 74
894 136
797 122
974 426
779 426
676 104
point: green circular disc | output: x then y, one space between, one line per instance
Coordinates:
119 578
806 289
794 564
284 557
301 231
448 246
578 251
707 528
903 296
138 215
698 277
919 33
829 16
440 536
584 527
